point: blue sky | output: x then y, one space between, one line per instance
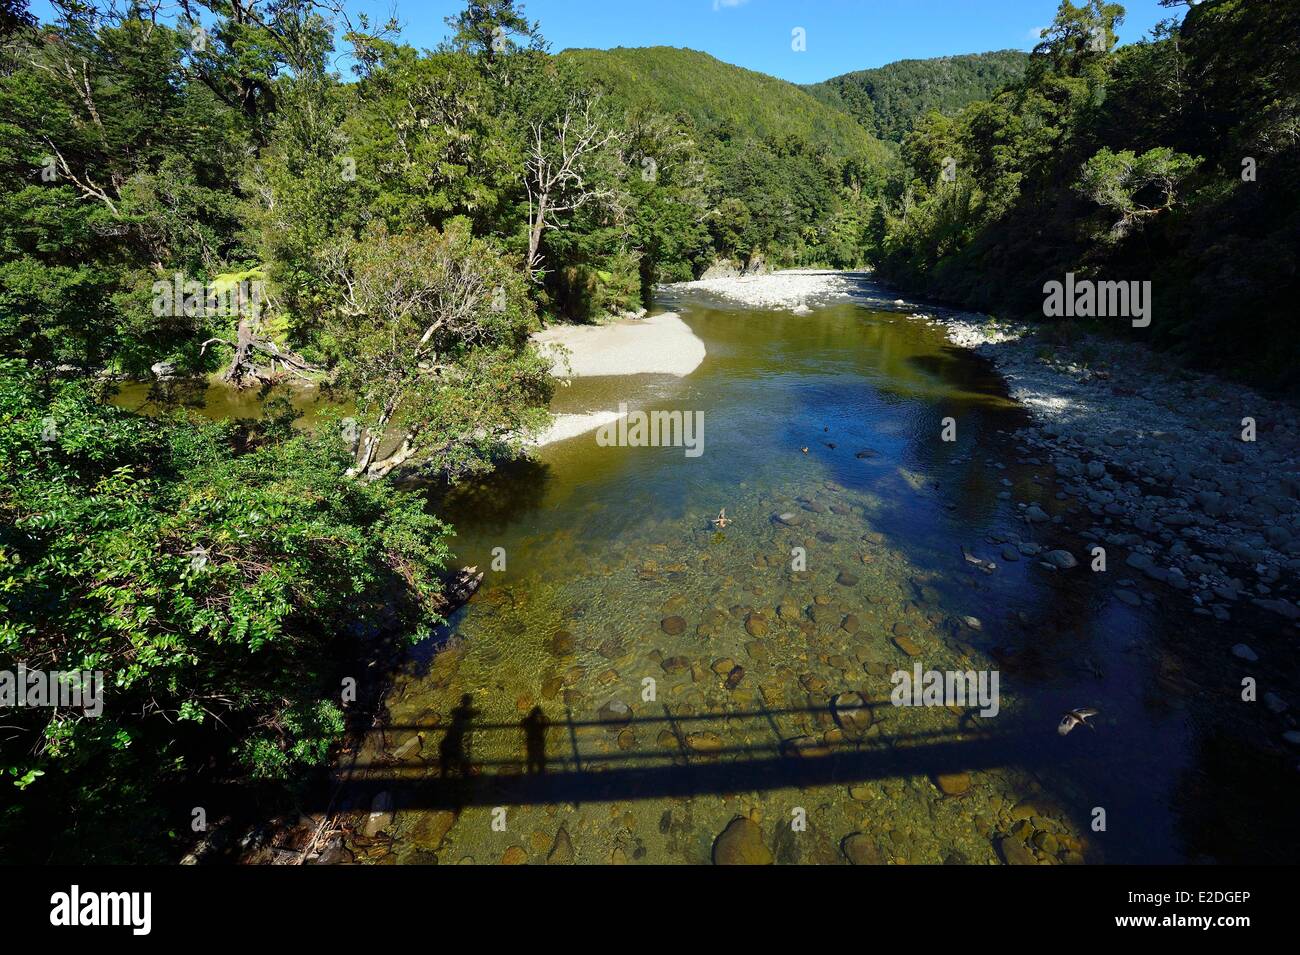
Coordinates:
842 35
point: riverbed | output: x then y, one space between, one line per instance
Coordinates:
635 682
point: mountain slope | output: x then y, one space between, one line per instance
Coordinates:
716 95
887 101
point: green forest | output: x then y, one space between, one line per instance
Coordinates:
1171 160
888 101
394 231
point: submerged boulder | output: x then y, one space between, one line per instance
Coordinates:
741 843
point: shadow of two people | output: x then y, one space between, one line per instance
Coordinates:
454 752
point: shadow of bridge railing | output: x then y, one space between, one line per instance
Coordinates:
693 765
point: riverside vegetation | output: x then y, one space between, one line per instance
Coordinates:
409 226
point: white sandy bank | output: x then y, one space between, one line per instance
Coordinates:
565 426
794 289
658 345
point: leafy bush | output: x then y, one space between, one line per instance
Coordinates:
219 593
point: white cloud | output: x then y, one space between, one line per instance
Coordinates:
719 4
1035 34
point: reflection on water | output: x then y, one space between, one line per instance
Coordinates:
213 398
640 678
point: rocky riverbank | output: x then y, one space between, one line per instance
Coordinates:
1185 480
1195 481
794 289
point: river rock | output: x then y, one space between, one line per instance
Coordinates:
431 827
907 645
805 747
615 712
953 784
409 750
1061 559
1035 514
515 855
852 714
859 849
561 849
675 665
741 843
1139 561
1014 852
707 743
673 626
381 814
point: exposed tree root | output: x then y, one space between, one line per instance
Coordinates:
256 356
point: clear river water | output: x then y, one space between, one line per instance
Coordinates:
635 679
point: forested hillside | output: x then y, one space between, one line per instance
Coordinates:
889 100
784 176
723 98
1173 160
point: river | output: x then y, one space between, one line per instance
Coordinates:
630 680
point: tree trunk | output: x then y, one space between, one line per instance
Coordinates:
535 235
243 369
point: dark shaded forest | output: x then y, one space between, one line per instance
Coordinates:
1173 160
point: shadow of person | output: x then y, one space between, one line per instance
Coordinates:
453 751
534 726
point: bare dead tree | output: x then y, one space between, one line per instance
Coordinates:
558 171
257 358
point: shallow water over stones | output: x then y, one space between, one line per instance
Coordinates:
638 685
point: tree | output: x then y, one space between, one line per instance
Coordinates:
561 171
1135 187
1079 37
219 592
485 28
115 172
431 333
14 16
252 43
